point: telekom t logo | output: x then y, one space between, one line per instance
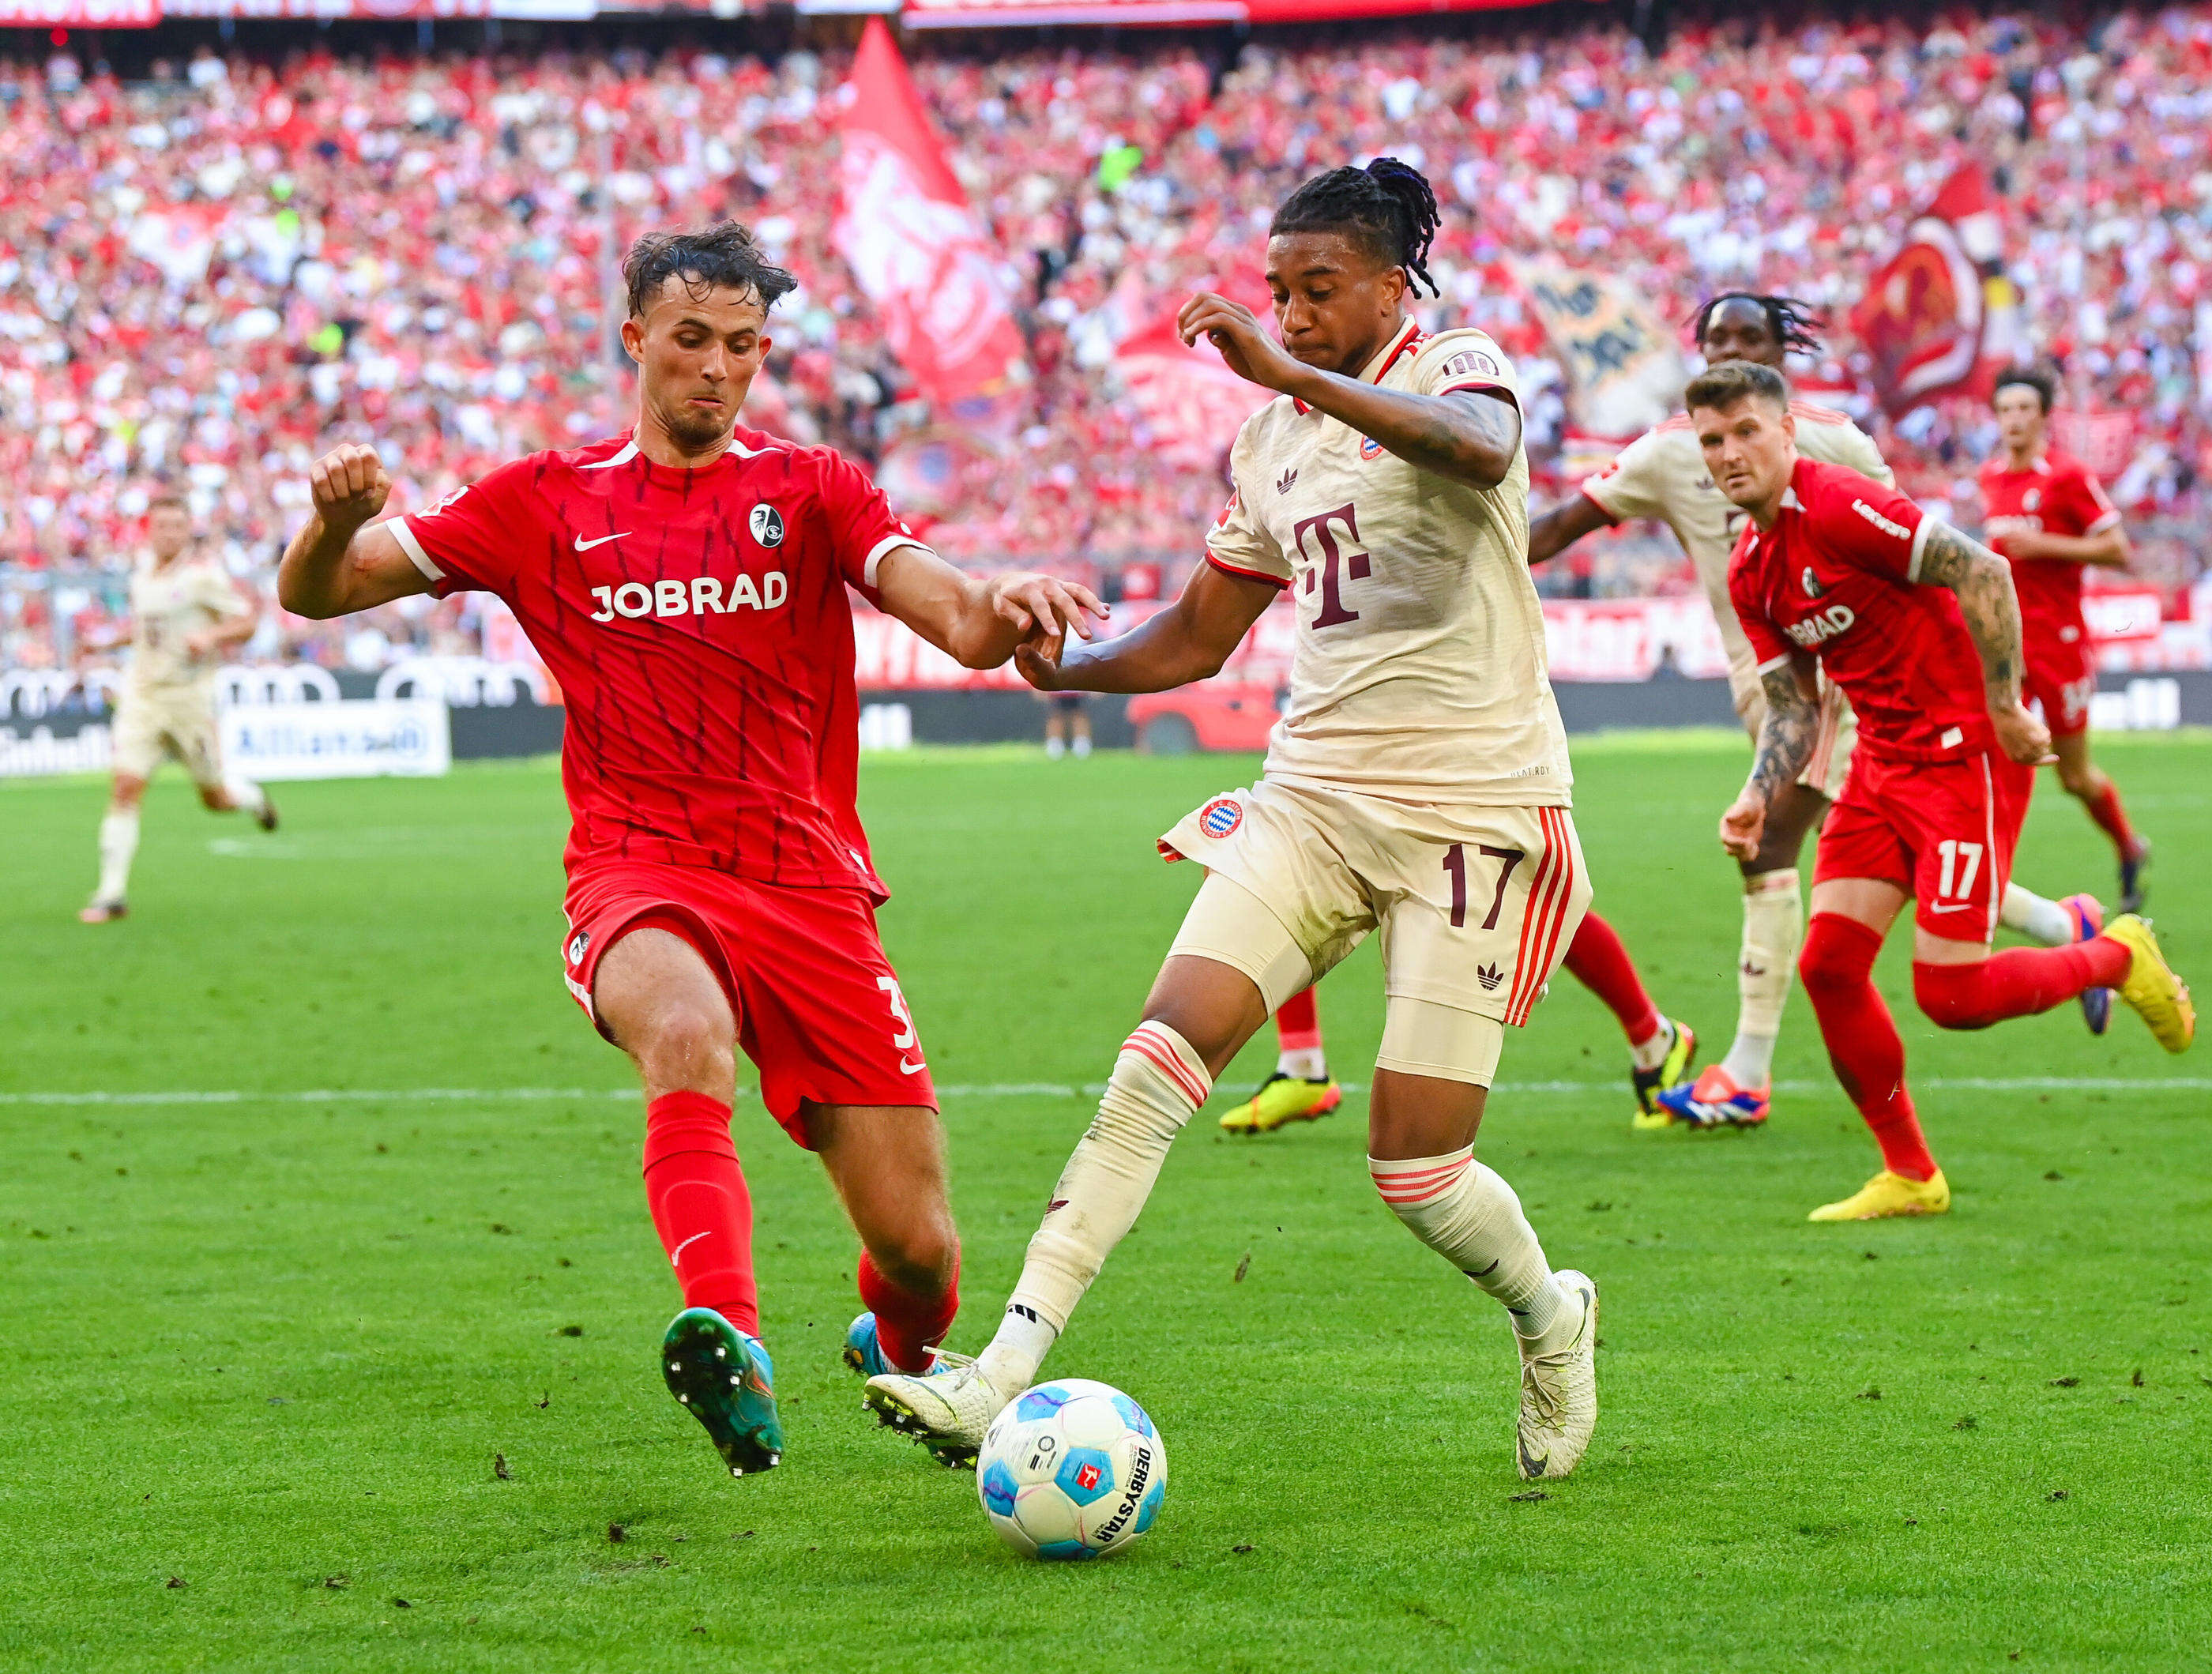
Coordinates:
1335 566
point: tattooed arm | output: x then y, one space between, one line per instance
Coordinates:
1983 584
1785 744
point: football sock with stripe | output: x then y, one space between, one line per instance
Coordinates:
1468 1214
1773 930
2042 920
699 1205
1601 965
908 1324
1297 1038
118 842
2018 982
1861 1035
1159 1082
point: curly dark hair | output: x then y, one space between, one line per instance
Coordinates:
1387 207
723 256
2035 378
1792 321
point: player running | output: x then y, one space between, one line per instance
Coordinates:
685 584
187 616
1417 784
1661 475
1919 627
2049 516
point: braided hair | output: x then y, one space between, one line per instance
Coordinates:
1387 207
1793 322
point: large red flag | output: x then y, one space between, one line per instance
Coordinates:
1941 311
904 226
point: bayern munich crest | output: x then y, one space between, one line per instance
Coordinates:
1369 448
1221 817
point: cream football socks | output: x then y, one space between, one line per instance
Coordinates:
1159 1082
1468 1214
118 842
1773 930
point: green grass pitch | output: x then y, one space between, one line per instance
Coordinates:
261 1352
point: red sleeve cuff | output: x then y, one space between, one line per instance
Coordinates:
1275 581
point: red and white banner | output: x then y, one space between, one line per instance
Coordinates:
2103 439
904 228
1188 397
1935 315
80 13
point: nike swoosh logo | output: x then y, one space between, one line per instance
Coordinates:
583 545
1953 906
906 1068
676 1254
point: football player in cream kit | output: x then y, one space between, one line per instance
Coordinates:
1417 785
1663 475
186 617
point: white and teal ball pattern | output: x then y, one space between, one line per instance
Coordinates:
1072 1470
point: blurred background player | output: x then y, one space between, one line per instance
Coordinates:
2047 515
720 894
1066 725
1417 786
1661 475
187 617
1919 626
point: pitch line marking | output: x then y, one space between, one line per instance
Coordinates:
1007 1090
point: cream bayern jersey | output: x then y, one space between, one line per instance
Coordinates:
168 604
1419 671
1663 475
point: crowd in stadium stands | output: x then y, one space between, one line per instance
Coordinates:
207 278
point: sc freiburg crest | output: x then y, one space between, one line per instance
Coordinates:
767 524
1812 584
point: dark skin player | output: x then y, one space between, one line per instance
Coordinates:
1736 330
1337 305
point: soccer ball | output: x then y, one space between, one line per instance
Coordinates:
1072 1470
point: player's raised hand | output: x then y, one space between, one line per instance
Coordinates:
1047 605
349 486
1236 331
2022 736
1742 826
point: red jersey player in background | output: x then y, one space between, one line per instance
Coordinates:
685 584
2048 514
1919 627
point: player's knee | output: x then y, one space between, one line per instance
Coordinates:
2078 780
1954 997
921 1256
686 1045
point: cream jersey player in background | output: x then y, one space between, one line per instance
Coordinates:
1417 787
1661 475
187 617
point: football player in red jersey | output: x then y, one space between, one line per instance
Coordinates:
2046 513
685 584
1920 628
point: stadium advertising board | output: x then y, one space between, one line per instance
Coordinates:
80 13
361 738
987 14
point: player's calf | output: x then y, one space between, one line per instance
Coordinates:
2018 982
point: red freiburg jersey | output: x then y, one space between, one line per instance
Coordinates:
698 624
2057 495
1838 576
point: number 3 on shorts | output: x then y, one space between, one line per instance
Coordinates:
1961 860
1455 864
905 1036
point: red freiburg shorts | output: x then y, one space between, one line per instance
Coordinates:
2061 675
818 1008
1941 832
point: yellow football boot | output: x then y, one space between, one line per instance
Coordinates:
1283 1099
1887 1195
2153 987
1650 1112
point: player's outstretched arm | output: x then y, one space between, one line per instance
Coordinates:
979 623
1982 584
2108 548
1189 641
1469 436
341 563
1563 525
1785 744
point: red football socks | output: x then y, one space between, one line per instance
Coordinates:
1601 965
2017 983
1297 1023
1836 968
909 1326
699 1205
2111 819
